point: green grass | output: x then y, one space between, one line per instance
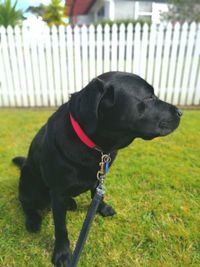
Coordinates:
154 186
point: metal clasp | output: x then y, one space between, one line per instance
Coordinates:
105 159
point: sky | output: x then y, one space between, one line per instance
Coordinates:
24 4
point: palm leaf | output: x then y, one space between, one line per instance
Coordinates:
9 15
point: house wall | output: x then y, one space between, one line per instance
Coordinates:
85 19
124 10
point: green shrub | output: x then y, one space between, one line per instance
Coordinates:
125 22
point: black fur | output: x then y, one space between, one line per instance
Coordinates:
19 161
113 110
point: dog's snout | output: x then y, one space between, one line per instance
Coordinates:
179 113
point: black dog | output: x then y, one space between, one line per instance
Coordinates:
112 110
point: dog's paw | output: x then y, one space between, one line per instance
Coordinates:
71 204
61 255
106 210
33 223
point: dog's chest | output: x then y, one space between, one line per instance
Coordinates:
85 180
87 176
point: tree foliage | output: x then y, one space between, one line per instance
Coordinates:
9 15
183 11
53 14
37 10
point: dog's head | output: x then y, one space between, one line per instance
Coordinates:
117 107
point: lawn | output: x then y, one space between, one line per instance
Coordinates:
154 186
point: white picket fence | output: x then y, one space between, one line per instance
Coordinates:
43 66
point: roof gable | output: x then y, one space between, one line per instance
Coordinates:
78 7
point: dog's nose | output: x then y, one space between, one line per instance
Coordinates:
179 112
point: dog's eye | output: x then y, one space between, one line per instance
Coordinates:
150 98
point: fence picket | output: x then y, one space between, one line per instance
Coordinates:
197 92
2 80
180 63
84 44
35 37
20 60
14 66
106 48
52 100
121 47
151 60
187 64
165 62
56 65
63 63
194 69
42 70
129 47
77 45
99 46
114 45
137 44
92 61
158 59
70 60
7 96
144 45
172 62
27 66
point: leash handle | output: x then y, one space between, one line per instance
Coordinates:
86 226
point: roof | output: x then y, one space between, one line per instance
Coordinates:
78 7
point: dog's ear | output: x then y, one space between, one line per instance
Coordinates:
96 93
108 98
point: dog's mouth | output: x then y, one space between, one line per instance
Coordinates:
166 127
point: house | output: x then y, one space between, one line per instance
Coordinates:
90 11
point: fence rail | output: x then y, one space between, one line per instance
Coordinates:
43 66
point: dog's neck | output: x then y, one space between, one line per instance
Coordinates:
101 137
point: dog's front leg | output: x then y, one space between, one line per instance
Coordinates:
104 209
61 254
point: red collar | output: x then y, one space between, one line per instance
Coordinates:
82 136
